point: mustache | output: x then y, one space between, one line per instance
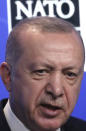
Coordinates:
48 101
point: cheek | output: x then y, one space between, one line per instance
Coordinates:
30 90
72 96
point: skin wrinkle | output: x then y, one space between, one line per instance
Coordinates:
46 73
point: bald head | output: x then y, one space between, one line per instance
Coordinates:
39 24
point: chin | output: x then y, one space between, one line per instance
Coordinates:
48 125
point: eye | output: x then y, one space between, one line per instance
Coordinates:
41 72
71 75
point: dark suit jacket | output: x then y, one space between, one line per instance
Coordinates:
73 124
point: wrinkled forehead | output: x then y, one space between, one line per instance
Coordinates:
36 34
34 40
52 49
28 36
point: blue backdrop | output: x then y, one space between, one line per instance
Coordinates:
80 109
3 38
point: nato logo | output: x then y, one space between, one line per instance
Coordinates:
65 9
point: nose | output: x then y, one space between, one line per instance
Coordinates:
55 86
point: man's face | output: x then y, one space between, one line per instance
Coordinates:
47 79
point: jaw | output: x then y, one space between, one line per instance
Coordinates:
48 119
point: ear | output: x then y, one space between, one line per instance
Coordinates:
5 75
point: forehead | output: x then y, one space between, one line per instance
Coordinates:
34 38
51 46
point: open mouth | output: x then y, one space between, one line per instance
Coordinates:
50 107
49 110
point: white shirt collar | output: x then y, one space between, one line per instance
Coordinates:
14 123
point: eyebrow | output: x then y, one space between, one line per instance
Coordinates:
73 68
69 68
52 67
41 64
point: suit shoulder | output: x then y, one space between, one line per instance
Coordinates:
3 123
75 124
77 121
